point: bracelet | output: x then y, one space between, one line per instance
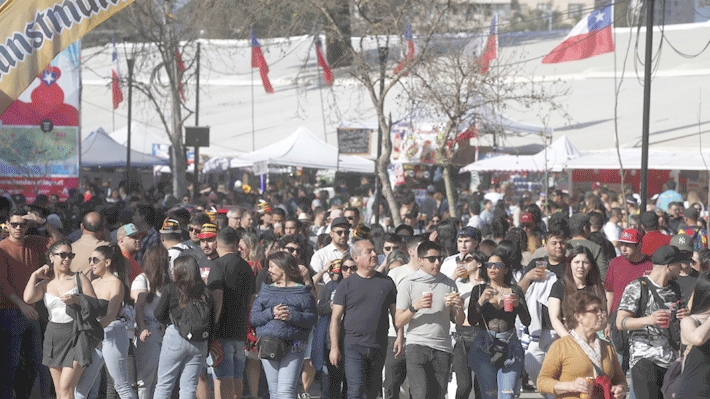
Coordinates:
623 323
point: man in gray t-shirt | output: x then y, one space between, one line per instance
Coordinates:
427 301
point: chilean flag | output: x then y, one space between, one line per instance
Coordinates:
258 61
409 54
327 72
491 51
116 91
591 36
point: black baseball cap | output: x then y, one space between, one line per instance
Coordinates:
667 255
649 219
340 221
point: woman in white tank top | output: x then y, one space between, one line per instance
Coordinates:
57 285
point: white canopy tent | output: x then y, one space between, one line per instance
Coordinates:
679 159
302 148
557 154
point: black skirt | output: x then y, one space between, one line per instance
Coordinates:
58 350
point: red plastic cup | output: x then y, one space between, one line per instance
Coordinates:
666 323
508 302
430 294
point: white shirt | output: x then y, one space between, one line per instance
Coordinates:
141 283
612 231
448 265
494 197
322 257
475 221
398 274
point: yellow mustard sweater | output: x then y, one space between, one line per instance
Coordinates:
565 361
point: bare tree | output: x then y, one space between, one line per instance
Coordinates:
456 90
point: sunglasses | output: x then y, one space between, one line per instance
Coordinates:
389 248
194 230
341 232
348 268
94 260
433 258
495 265
21 225
597 311
292 250
65 255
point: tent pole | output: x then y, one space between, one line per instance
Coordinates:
646 104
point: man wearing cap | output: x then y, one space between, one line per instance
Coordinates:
626 268
170 233
688 275
339 232
467 240
653 238
643 312
92 233
129 240
691 228
208 244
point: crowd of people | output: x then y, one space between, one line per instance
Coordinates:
238 294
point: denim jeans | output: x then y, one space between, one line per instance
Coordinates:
88 385
363 371
395 370
179 358
115 350
20 338
459 365
147 357
283 375
496 383
428 371
647 377
234 361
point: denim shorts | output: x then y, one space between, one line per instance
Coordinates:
234 359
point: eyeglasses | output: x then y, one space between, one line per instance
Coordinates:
65 255
94 260
389 248
433 258
341 232
21 225
348 268
597 311
292 250
495 265
194 230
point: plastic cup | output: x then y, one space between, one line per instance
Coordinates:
430 294
541 265
508 302
666 323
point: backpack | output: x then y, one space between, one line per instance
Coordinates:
196 321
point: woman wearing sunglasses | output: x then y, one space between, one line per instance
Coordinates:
109 269
496 355
65 356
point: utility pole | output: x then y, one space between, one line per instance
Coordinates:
131 63
646 104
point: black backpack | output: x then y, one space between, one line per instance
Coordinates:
195 323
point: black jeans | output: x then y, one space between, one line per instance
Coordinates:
364 371
427 371
647 378
464 382
337 386
395 371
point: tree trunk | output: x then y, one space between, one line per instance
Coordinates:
179 163
383 163
450 197
338 52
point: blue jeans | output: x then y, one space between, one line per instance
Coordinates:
427 372
88 385
147 357
363 371
234 360
20 338
283 375
179 357
496 383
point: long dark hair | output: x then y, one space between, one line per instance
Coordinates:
447 237
156 263
701 293
188 280
593 284
288 264
51 250
118 262
509 251
507 278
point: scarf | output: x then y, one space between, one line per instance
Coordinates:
601 381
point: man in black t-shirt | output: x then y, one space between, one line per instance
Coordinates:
232 283
362 301
688 275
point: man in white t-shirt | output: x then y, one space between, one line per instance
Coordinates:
396 367
612 230
467 240
339 232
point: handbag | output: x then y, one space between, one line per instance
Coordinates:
498 349
272 348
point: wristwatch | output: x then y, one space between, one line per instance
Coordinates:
411 309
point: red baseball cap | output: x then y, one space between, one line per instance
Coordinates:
527 217
631 236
